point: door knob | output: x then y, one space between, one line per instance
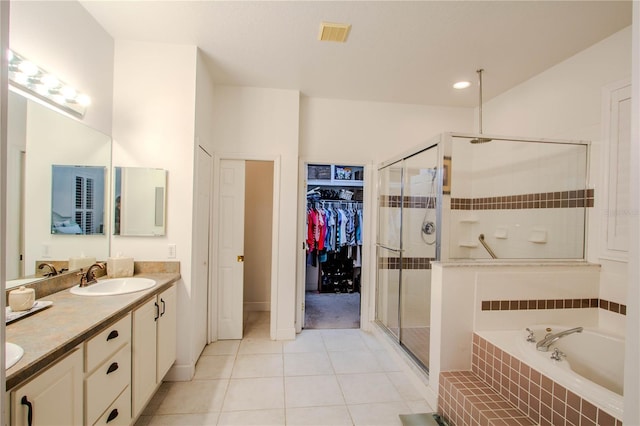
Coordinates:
240 258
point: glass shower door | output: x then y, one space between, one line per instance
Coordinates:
389 247
419 231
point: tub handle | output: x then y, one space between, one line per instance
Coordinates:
531 337
557 355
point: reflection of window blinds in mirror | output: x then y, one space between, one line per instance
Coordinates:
159 206
84 203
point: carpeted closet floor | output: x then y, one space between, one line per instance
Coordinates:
332 310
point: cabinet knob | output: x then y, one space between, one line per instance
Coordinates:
240 258
113 367
112 335
112 415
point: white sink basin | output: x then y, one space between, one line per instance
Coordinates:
114 286
13 353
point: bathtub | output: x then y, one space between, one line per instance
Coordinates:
593 367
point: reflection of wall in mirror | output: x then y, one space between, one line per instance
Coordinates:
142 201
56 139
16 146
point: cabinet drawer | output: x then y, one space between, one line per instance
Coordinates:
107 382
106 343
119 413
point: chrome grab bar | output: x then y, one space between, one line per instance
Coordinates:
389 248
486 246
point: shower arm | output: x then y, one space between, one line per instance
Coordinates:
486 246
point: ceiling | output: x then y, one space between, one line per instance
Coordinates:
397 51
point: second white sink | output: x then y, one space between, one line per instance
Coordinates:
13 353
114 286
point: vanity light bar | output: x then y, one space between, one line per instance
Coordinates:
29 77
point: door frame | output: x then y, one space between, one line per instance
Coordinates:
200 147
367 283
275 229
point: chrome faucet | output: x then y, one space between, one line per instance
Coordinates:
550 339
89 277
52 269
557 354
531 337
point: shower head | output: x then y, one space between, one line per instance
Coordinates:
480 139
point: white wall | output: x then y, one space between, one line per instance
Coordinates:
64 39
566 102
363 132
153 126
262 124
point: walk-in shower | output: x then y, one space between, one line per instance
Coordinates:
522 198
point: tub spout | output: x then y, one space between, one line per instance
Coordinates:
550 339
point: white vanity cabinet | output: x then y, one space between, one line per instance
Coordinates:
154 345
53 397
107 390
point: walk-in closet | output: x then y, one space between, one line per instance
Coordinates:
334 231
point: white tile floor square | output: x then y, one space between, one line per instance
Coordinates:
323 378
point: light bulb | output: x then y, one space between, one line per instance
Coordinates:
29 68
68 92
21 78
84 100
50 81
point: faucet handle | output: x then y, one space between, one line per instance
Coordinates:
83 278
557 354
531 337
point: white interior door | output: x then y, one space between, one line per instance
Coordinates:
231 249
202 252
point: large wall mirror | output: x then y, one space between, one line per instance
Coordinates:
38 139
139 201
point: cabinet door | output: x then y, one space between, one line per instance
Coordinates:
144 354
55 395
166 331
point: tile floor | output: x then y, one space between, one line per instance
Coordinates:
324 377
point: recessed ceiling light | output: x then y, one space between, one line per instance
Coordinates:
462 85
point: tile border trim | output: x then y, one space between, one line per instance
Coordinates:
541 200
521 305
421 263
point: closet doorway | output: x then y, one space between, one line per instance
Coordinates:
333 241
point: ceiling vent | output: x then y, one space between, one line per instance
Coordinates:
334 32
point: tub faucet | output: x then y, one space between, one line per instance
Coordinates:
89 277
550 339
52 269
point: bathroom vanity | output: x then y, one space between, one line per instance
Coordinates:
93 360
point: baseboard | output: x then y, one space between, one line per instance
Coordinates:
286 333
180 373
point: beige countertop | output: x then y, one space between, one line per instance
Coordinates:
49 334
